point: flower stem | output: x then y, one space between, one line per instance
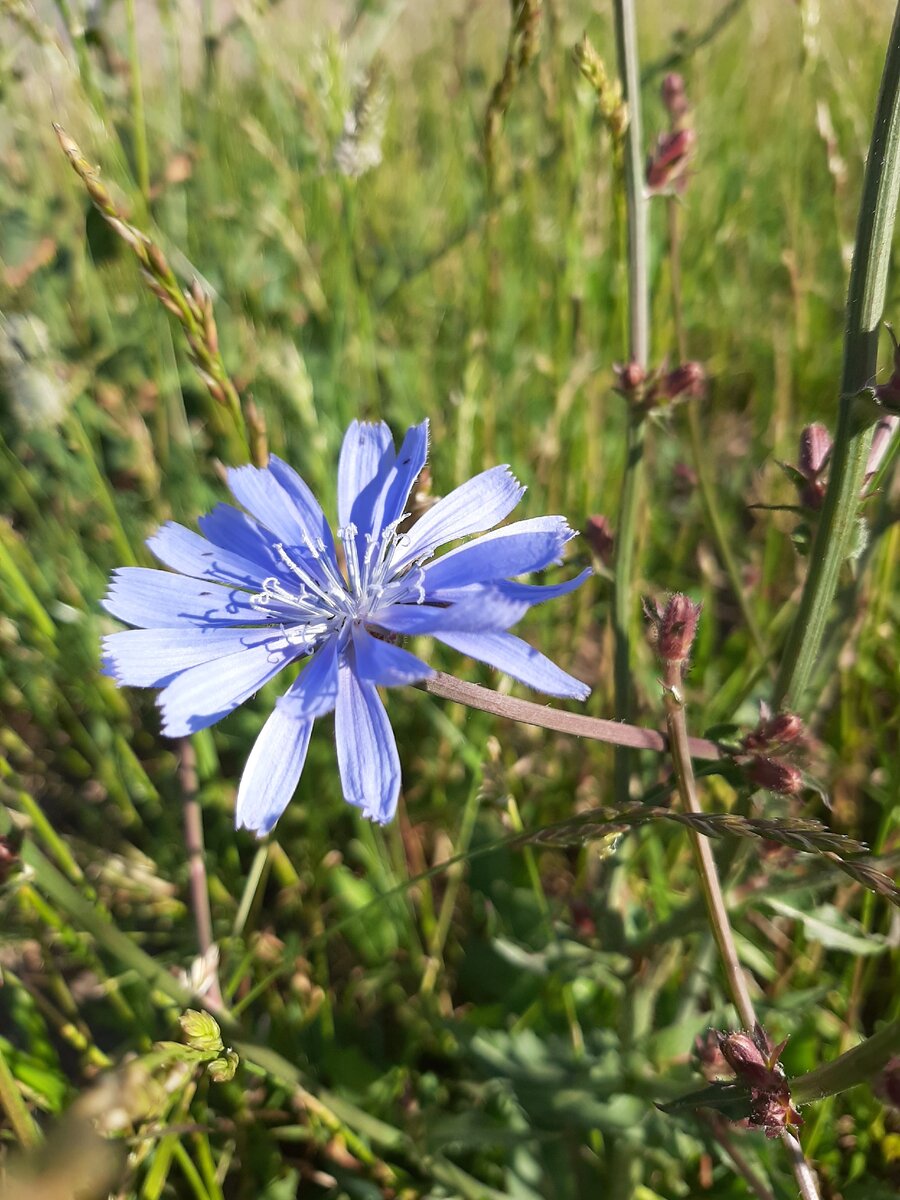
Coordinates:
865 305
858 1065
615 733
638 352
138 121
699 456
712 893
193 837
709 877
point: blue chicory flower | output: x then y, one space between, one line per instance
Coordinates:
257 592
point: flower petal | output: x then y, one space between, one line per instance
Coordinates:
367 454
272 772
410 460
280 500
384 664
307 505
233 530
191 554
474 506
536 593
203 695
514 550
158 599
366 748
516 658
151 657
314 692
479 608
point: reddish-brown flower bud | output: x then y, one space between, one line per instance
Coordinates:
887 1085
748 1061
667 165
771 1110
881 440
774 775
815 447
689 379
778 730
674 97
600 537
673 627
630 377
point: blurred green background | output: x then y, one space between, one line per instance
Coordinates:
507 1022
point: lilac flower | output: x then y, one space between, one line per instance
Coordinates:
258 592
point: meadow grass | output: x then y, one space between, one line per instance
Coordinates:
431 1008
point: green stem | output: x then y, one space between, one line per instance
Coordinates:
138 121
699 454
638 352
15 1108
865 305
859 1065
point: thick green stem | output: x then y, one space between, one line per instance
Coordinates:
865 306
638 352
859 1065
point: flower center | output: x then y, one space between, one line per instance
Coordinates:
325 601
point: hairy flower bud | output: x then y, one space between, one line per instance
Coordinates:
778 730
688 379
748 1061
667 165
673 627
630 378
881 440
774 775
600 537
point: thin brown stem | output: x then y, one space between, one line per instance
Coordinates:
193 836
676 723
709 876
615 733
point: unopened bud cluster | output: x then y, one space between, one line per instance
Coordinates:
667 165
810 473
774 735
754 1061
649 390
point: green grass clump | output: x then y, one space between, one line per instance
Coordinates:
435 1008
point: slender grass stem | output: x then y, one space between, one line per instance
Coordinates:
15 1108
699 452
706 863
638 352
193 837
849 452
712 893
138 119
